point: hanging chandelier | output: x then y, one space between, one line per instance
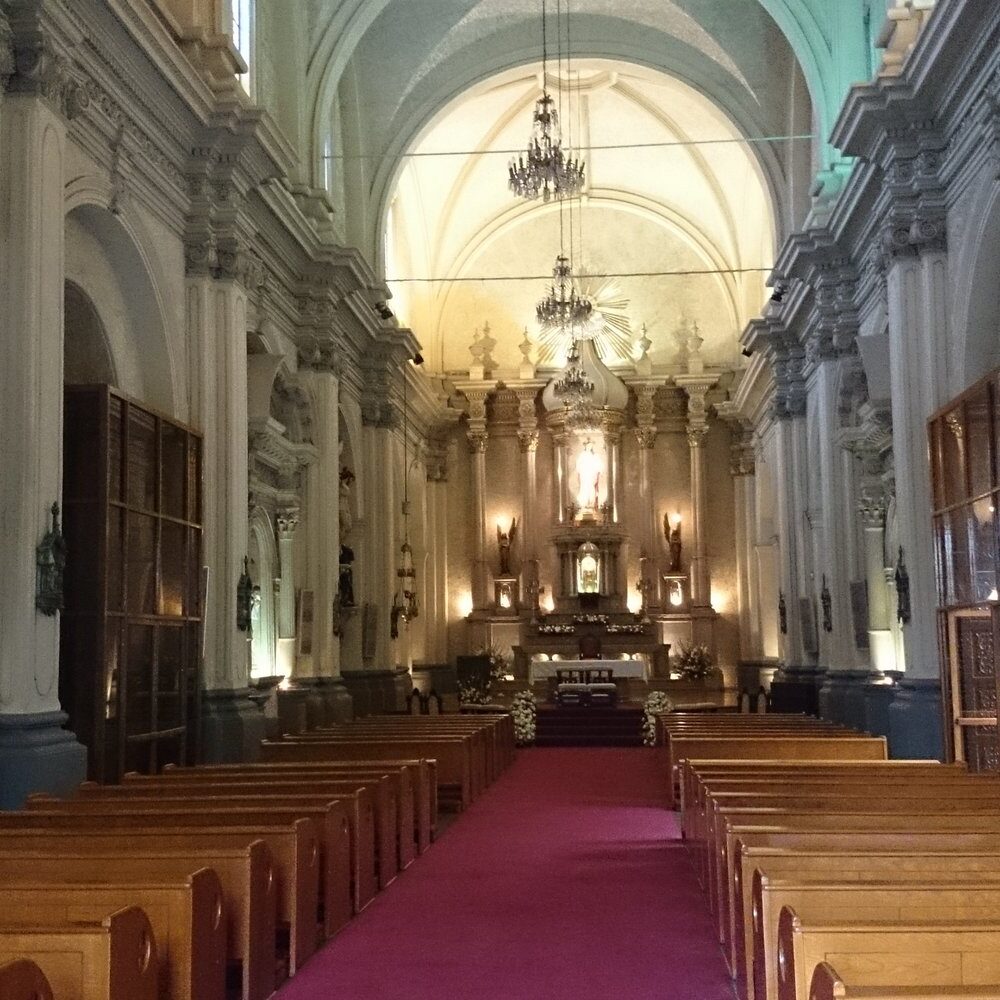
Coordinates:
546 170
576 391
563 307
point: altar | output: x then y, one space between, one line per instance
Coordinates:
541 669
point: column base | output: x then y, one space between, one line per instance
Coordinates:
915 720
796 688
357 687
232 726
337 700
293 709
402 682
841 698
878 698
38 755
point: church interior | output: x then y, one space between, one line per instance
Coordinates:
500 499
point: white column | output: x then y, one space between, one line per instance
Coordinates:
436 604
790 433
748 598
217 339
836 647
701 595
32 143
881 611
323 519
918 335
381 546
480 570
287 522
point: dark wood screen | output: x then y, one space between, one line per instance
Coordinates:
130 655
964 439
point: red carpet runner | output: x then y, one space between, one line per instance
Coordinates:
565 880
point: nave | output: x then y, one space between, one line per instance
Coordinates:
566 879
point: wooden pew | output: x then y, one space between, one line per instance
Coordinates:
894 900
186 915
332 825
389 813
848 867
246 876
461 761
294 847
371 815
872 748
453 770
417 775
111 960
828 985
937 953
23 980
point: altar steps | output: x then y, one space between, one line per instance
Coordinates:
588 727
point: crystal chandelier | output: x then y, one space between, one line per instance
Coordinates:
576 391
545 170
563 307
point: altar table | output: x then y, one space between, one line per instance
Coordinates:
540 670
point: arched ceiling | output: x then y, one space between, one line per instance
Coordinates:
402 54
677 191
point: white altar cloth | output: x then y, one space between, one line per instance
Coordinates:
540 670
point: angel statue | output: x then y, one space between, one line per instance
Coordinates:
505 539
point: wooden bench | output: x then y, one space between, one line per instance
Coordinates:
417 775
294 847
871 748
847 867
332 821
371 816
186 915
453 770
23 980
114 959
902 900
938 953
828 985
246 875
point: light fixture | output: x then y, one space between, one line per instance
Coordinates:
563 307
576 391
404 602
545 170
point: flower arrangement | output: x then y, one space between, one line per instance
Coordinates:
523 710
695 662
591 619
473 694
556 629
627 629
656 703
499 665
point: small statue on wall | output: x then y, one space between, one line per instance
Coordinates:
903 612
782 613
244 598
826 601
505 539
50 564
346 518
672 531
346 576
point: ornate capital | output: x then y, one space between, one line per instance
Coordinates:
923 233
742 457
645 415
528 440
478 440
696 435
436 461
645 436
287 521
872 506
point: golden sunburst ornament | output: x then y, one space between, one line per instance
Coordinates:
609 325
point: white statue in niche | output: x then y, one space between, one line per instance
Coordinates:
588 471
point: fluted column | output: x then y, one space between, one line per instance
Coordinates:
645 435
478 437
287 521
871 508
436 602
527 436
697 387
743 469
35 752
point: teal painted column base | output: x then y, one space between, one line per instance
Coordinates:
360 691
232 726
402 686
878 698
796 688
336 700
842 697
38 755
293 710
915 720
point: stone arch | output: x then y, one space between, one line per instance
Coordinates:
87 357
976 310
106 262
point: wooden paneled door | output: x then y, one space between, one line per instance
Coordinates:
964 438
130 656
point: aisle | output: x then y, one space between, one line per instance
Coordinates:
565 880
